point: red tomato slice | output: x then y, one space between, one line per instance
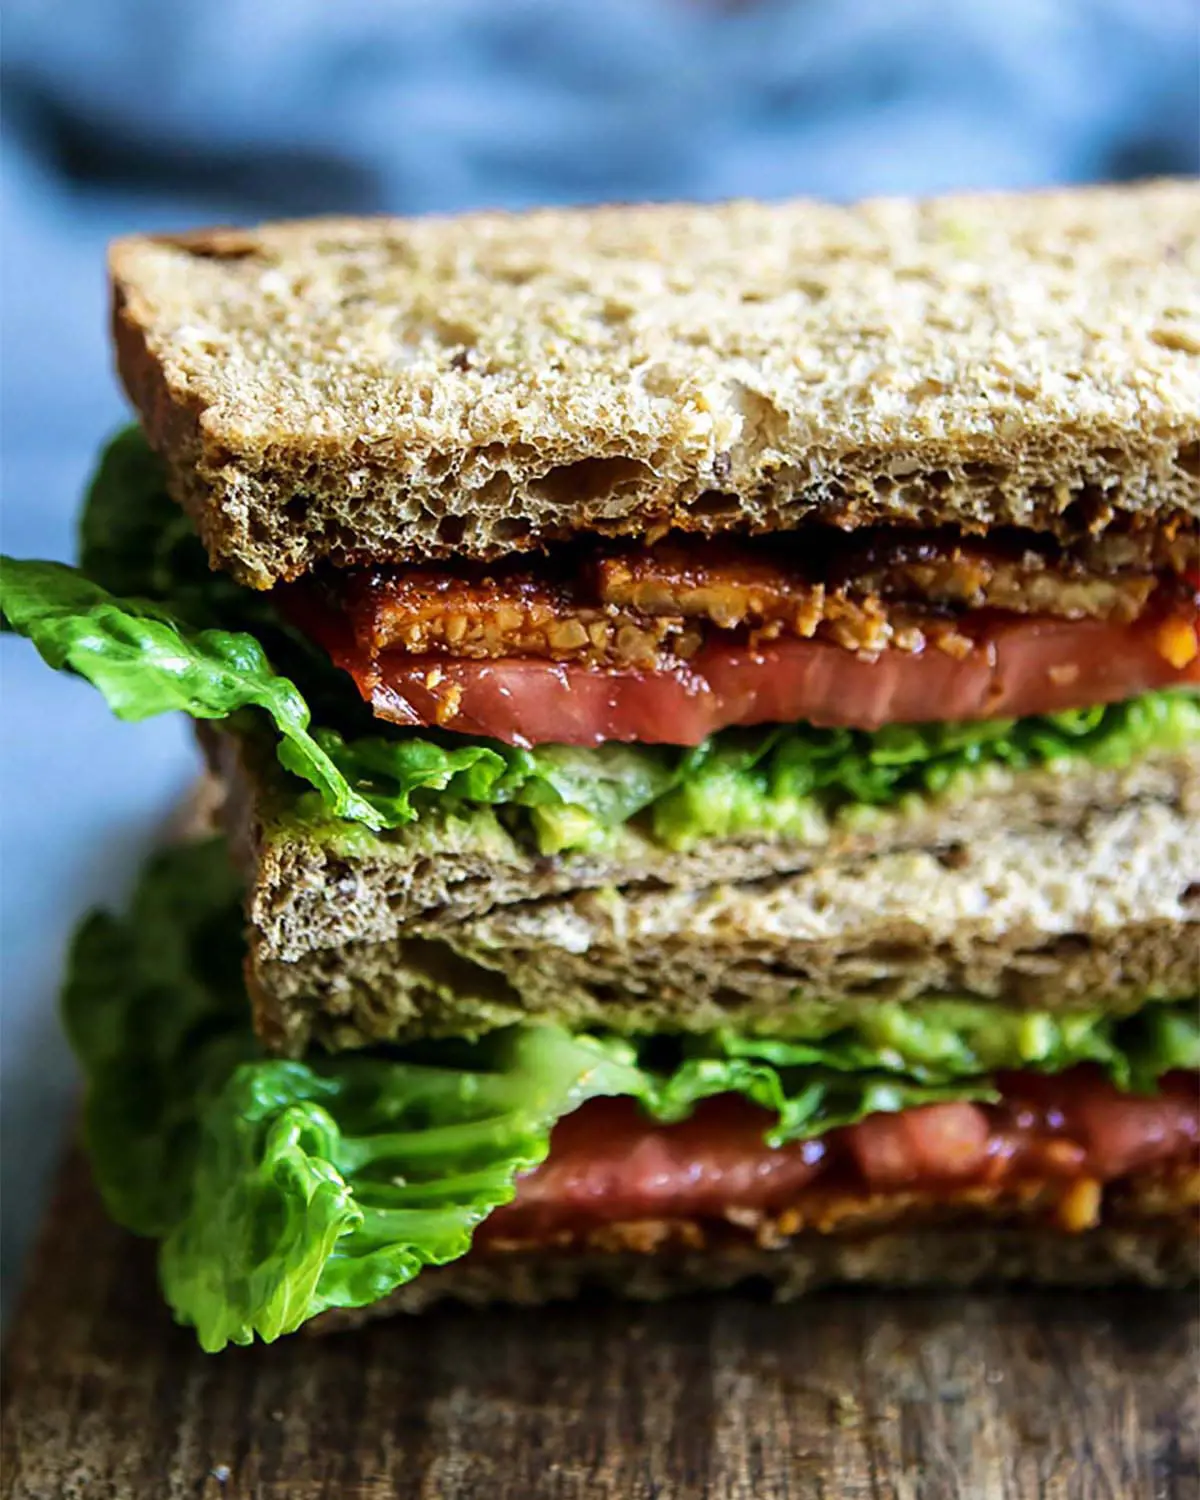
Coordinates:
940 1143
1019 666
1120 1133
610 1163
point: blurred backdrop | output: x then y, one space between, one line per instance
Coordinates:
123 115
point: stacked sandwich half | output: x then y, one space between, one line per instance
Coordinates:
705 707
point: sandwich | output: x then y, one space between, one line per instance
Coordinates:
703 710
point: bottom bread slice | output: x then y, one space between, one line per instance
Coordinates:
1156 1253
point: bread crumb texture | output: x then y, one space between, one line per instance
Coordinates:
350 389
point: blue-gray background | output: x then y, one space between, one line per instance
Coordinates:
133 114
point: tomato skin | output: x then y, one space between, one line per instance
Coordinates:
1019 666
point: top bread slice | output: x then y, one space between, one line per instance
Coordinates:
388 389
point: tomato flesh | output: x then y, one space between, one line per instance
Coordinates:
1017 666
610 1163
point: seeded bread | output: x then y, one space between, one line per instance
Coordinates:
387 389
1069 886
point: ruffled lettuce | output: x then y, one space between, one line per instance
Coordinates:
282 1188
150 624
146 663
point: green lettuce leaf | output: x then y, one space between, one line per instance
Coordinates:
572 797
777 781
283 1188
331 1183
154 1008
771 781
137 543
133 539
155 628
146 663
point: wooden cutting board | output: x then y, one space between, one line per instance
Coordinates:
846 1397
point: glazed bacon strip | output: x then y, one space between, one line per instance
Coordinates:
656 606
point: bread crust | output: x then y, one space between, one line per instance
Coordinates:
1154 1253
347 390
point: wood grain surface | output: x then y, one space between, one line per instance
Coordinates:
846 1397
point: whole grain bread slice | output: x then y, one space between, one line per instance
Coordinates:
388 389
321 883
1067 886
1098 918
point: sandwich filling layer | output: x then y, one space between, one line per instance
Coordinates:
647 606
674 641
281 1189
147 621
1055 1140
1001 668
